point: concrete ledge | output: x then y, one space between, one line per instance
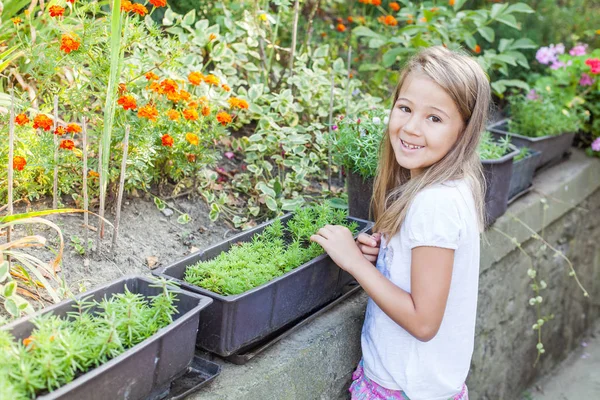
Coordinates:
316 362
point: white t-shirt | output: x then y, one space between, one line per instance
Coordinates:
442 215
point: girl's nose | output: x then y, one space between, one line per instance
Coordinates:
411 126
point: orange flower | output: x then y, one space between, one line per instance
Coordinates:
212 37
42 121
139 9
225 87
21 119
362 20
67 144
192 104
126 5
190 114
239 103
376 2
184 95
71 1
158 3
423 19
19 163
155 87
192 139
451 2
394 6
73 128
340 27
195 78
191 157
323 34
68 43
169 86
381 19
122 88
211 80
434 9
93 174
390 20
148 111
167 140
56 11
339 20
223 118
27 341
206 111
173 96
173 115
350 19
151 76
16 20
128 102
410 19
477 49
60 130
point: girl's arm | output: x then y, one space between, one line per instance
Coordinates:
420 312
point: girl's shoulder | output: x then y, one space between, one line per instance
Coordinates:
453 196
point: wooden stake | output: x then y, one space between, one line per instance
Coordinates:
330 131
11 146
55 189
294 35
101 210
85 186
121 187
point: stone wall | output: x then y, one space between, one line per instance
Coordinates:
316 361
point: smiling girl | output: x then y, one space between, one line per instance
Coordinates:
418 335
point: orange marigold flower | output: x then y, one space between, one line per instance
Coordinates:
192 139
434 9
190 114
173 115
224 118
128 102
191 157
323 34
148 111
451 2
195 78
19 163
192 104
73 128
225 87
56 11
158 3
212 37
184 95
122 88
93 174
126 5
42 121
340 27
211 80
67 144
389 20
167 140
376 2
27 341
381 19
151 76
350 20
169 86
424 19
68 43
21 119
203 100
155 87
173 96
139 9
16 20
71 1
394 6
206 111
477 49
362 20
234 102
60 130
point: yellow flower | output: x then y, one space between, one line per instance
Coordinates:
263 17
192 139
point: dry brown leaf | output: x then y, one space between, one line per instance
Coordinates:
152 261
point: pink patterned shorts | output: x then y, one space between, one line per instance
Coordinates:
363 388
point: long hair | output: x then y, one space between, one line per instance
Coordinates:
468 86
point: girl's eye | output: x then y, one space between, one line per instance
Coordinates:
435 118
404 108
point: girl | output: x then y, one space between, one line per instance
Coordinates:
417 338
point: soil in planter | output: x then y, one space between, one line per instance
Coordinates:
61 349
270 254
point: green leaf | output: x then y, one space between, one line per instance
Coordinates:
364 31
506 58
271 203
292 204
338 203
458 4
390 57
321 51
251 67
509 20
411 30
520 8
498 9
524 43
169 17
11 307
10 289
504 45
159 203
4 270
370 67
189 18
487 33
183 219
255 92
498 87
470 40
263 187
278 187
515 83
376 43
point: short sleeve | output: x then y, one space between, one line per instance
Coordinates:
433 219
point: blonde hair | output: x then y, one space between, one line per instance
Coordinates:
468 86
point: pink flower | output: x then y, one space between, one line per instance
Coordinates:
334 127
594 64
586 80
578 50
596 144
532 95
229 154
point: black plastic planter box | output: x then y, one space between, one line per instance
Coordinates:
360 191
143 371
233 322
498 174
522 174
553 148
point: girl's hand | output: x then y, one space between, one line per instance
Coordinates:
369 245
338 242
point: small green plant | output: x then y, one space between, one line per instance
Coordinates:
79 246
524 152
490 149
272 253
59 349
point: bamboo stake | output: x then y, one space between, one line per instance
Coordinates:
101 210
294 36
85 186
55 189
309 30
349 63
11 146
121 187
330 132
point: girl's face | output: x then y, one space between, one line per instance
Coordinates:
424 123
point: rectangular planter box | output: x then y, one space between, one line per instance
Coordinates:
522 174
498 174
143 371
552 148
237 321
360 192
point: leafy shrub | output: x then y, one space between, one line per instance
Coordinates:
491 149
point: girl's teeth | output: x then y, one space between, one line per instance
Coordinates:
410 146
